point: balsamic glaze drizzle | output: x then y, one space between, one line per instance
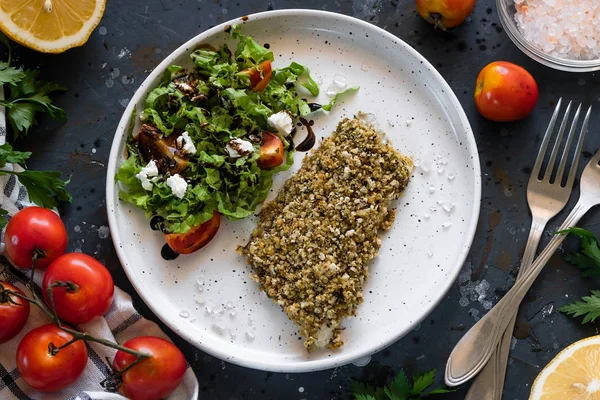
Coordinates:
309 142
167 253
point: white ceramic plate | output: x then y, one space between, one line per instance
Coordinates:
421 255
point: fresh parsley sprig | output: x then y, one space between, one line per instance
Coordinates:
45 188
589 307
587 259
401 388
27 96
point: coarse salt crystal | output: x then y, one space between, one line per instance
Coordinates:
184 314
210 306
562 28
250 334
219 325
446 224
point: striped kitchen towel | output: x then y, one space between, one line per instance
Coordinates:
121 323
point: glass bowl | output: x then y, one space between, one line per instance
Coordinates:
506 10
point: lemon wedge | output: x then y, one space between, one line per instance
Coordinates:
574 374
50 26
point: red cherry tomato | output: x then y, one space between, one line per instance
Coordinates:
260 76
445 14
195 238
35 228
155 377
13 313
505 92
42 370
91 294
271 151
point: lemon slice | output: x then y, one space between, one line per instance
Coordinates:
574 374
50 26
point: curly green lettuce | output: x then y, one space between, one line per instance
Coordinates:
228 109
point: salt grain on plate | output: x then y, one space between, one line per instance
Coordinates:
200 300
219 325
250 334
447 225
184 314
561 28
218 311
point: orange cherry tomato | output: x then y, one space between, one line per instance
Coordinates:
91 294
505 92
14 312
195 238
445 14
155 377
35 228
44 371
271 151
260 76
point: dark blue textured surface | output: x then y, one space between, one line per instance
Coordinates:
138 34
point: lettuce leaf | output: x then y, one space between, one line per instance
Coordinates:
328 107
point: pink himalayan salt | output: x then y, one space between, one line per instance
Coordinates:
567 29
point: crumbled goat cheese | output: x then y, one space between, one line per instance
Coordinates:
178 185
185 143
237 147
149 171
282 122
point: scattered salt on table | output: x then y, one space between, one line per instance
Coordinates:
561 28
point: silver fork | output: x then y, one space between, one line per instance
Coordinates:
546 198
476 347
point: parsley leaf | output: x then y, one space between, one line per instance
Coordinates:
10 75
590 307
8 155
423 382
43 186
399 389
588 257
27 95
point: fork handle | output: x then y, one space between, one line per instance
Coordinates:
475 348
489 384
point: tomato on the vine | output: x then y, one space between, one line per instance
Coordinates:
14 312
90 289
31 229
45 371
154 377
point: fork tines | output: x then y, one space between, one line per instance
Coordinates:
552 174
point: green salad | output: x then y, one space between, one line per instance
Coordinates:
213 138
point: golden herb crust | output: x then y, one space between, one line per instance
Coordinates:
312 245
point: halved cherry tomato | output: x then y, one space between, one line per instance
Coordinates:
92 291
260 76
14 312
45 371
271 151
35 228
195 238
155 377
